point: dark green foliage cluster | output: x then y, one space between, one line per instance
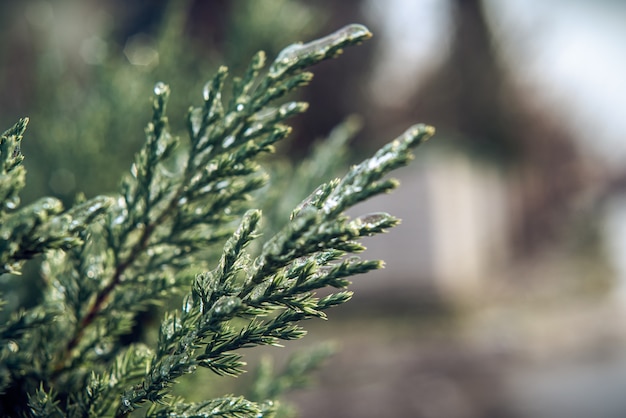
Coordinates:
107 259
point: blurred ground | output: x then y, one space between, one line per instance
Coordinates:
496 363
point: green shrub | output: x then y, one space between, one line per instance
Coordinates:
109 258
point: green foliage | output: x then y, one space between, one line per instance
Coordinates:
110 258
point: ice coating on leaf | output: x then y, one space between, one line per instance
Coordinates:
226 305
317 50
291 108
413 136
212 87
265 114
195 120
378 161
93 207
330 204
119 212
418 132
46 206
206 91
373 218
310 200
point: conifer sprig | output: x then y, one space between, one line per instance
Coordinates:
275 289
108 258
183 212
43 225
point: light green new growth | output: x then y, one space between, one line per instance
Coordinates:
109 258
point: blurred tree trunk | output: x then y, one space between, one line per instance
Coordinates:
471 98
338 86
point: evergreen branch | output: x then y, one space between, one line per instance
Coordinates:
295 374
297 56
12 173
183 335
291 183
16 341
42 225
101 271
363 181
44 404
133 214
278 279
102 390
223 144
179 337
226 407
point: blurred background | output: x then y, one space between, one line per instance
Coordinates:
505 287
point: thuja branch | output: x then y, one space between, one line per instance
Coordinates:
185 209
109 258
158 147
274 291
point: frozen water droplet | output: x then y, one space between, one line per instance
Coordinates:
102 349
355 31
291 107
206 91
331 203
133 170
240 107
373 219
12 203
228 141
122 212
376 162
226 305
121 202
211 166
318 49
13 347
182 200
206 189
285 59
161 147
253 129
160 88
188 304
